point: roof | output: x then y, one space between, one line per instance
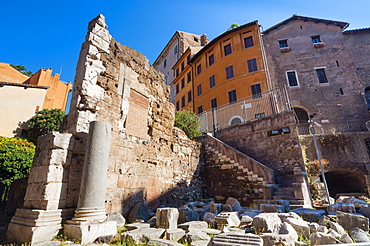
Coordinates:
220 37
23 85
341 24
193 50
356 31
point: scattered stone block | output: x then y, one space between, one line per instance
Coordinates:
226 208
195 235
216 208
313 226
334 234
365 211
319 238
235 204
210 218
235 238
308 214
167 218
211 231
137 225
245 220
359 235
187 213
349 221
199 243
118 218
227 219
336 227
357 202
300 226
142 235
174 234
266 222
344 207
322 229
272 208
193 225
139 212
163 242
291 215
345 238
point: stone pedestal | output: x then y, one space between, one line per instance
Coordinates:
34 225
89 221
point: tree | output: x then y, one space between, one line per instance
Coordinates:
234 25
188 121
22 69
44 121
16 157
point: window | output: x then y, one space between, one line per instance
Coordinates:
367 144
227 49
316 39
211 59
256 91
232 96
229 72
252 65
175 50
188 58
189 77
177 106
199 90
165 63
212 81
182 83
321 75
182 66
200 109
183 102
177 88
259 115
248 42
214 103
177 72
283 43
199 68
190 97
195 39
292 78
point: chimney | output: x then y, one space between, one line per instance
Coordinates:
203 40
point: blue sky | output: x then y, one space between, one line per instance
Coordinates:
47 34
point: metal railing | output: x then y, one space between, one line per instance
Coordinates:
334 127
261 105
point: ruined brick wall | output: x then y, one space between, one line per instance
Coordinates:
150 160
280 152
339 100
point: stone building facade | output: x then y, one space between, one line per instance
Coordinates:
316 60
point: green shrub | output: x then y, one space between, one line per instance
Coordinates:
188 121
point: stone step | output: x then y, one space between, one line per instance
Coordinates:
283 197
296 202
295 206
285 189
283 193
236 239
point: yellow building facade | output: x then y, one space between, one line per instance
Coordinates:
229 68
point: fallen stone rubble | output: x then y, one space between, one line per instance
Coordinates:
231 224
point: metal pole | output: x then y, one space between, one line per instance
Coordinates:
312 126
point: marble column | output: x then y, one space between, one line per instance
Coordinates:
90 217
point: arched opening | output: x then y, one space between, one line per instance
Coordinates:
345 181
236 119
301 116
367 96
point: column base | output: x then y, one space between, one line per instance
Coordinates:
88 232
34 226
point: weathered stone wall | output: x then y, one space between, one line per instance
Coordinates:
280 152
339 100
150 160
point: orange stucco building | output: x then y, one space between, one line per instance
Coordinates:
229 68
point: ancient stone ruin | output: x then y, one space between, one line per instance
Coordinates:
149 161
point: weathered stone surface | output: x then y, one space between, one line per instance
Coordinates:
283 234
167 217
216 208
365 211
210 218
226 208
313 226
349 221
344 207
211 231
266 222
290 215
235 238
235 204
139 212
163 242
193 225
359 235
334 234
118 218
137 225
141 235
358 203
174 234
311 215
227 219
322 229
345 238
336 227
272 208
319 238
195 235
245 220
187 213
300 226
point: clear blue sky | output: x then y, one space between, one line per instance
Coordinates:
47 34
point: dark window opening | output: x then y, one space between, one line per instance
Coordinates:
177 72
321 75
227 49
259 115
177 88
199 68
188 58
211 59
183 102
199 90
316 39
292 78
165 63
189 77
182 66
212 81
252 65
190 97
177 106
195 39
341 91
283 43
337 63
232 96
214 103
256 91
248 42
367 97
235 121
229 72
200 109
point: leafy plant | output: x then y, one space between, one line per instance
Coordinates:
22 69
16 157
44 121
188 121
